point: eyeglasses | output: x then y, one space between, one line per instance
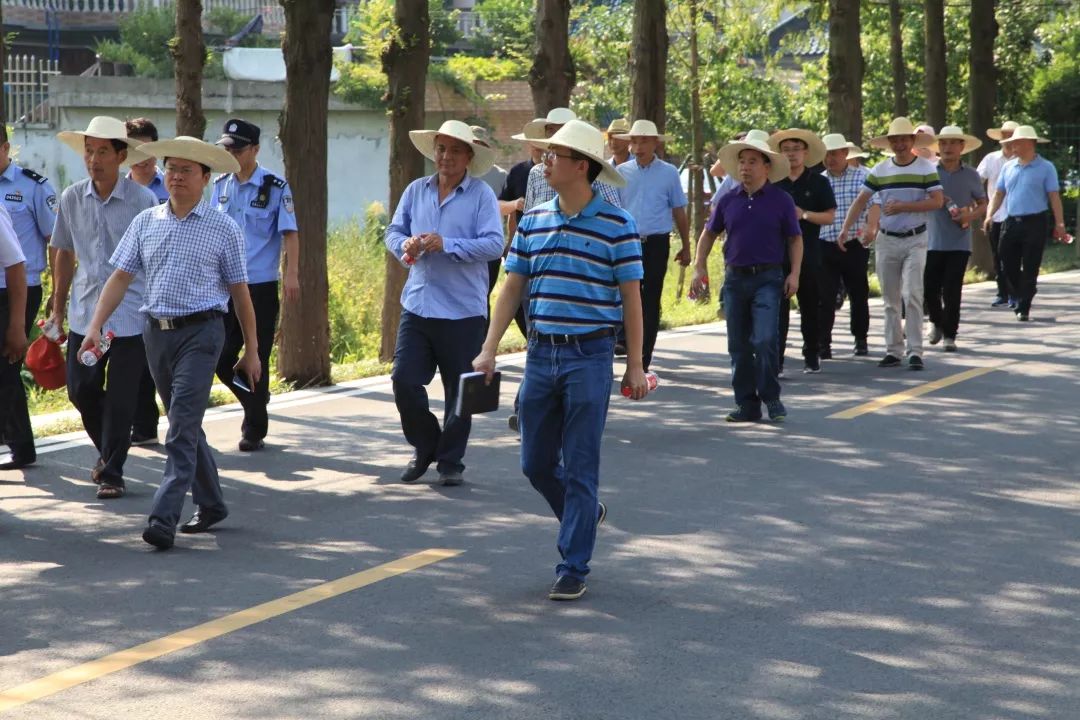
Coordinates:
550 155
181 171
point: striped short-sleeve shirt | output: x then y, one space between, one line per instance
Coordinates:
575 265
905 183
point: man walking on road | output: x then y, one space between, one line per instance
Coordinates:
989 169
447 227
762 230
12 343
581 258
193 259
1027 187
908 188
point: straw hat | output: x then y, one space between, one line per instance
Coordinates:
952 132
535 129
836 141
45 361
815 149
729 156
483 156
582 137
1025 132
998 133
643 128
185 147
481 135
856 152
618 126
759 135
902 126
103 127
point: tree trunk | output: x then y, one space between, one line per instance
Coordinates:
304 342
552 76
896 59
189 57
697 195
982 89
935 63
845 69
405 63
648 62
3 58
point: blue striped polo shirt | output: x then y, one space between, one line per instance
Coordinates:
575 264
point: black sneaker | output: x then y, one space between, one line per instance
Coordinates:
743 414
861 349
889 361
915 363
811 366
601 514
1022 316
138 439
158 536
512 422
999 302
825 353
566 588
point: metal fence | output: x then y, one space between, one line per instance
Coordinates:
26 90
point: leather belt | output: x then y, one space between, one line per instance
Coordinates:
183 321
907 233
753 269
655 236
566 339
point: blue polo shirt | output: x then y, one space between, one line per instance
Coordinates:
1026 186
31 202
651 193
575 265
758 226
263 210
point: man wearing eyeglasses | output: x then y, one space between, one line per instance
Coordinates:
262 205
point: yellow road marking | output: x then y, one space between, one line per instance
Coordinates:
59 681
905 395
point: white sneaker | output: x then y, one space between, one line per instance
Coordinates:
935 334
950 345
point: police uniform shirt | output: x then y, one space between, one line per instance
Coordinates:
263 208
31 202
157 186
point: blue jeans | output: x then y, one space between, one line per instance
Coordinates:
564 404
752 306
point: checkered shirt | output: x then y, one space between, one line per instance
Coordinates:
539 190
845 188
189 262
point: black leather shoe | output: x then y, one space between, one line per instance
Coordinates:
416 469
17 462
249 445
158 536
566 588
202 521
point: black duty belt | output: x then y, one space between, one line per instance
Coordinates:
1026 218
907 233
185 320
753 269
566 339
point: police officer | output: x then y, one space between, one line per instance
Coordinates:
262 205
31 202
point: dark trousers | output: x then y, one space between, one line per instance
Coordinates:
264 297
146 408
809 312
654 258
182 363
844 270
105 398
424 345
1023 240
494 268
15 429
943 283
994 237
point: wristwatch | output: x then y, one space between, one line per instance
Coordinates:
802 214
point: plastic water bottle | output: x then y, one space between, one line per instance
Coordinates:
409 259
52 331
1068 239
650 377
700 297
90 357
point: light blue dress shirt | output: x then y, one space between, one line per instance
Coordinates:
263 220
156 186
92 228
452 284
1026 186
31 202
651 193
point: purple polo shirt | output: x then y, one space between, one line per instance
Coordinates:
758 226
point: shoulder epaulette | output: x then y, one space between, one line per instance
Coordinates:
39 179
224 176
271 179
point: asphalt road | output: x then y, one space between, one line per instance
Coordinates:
921 560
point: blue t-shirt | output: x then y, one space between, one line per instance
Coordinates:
263 210
963 187
1026 186
651 193
575 265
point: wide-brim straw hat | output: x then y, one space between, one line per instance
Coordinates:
1025 132
952 132
643 128
185 147
103 127
536 128
617 126
855 152
902 126
836 141
998 133
815 148
582 137
483 157
779 167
